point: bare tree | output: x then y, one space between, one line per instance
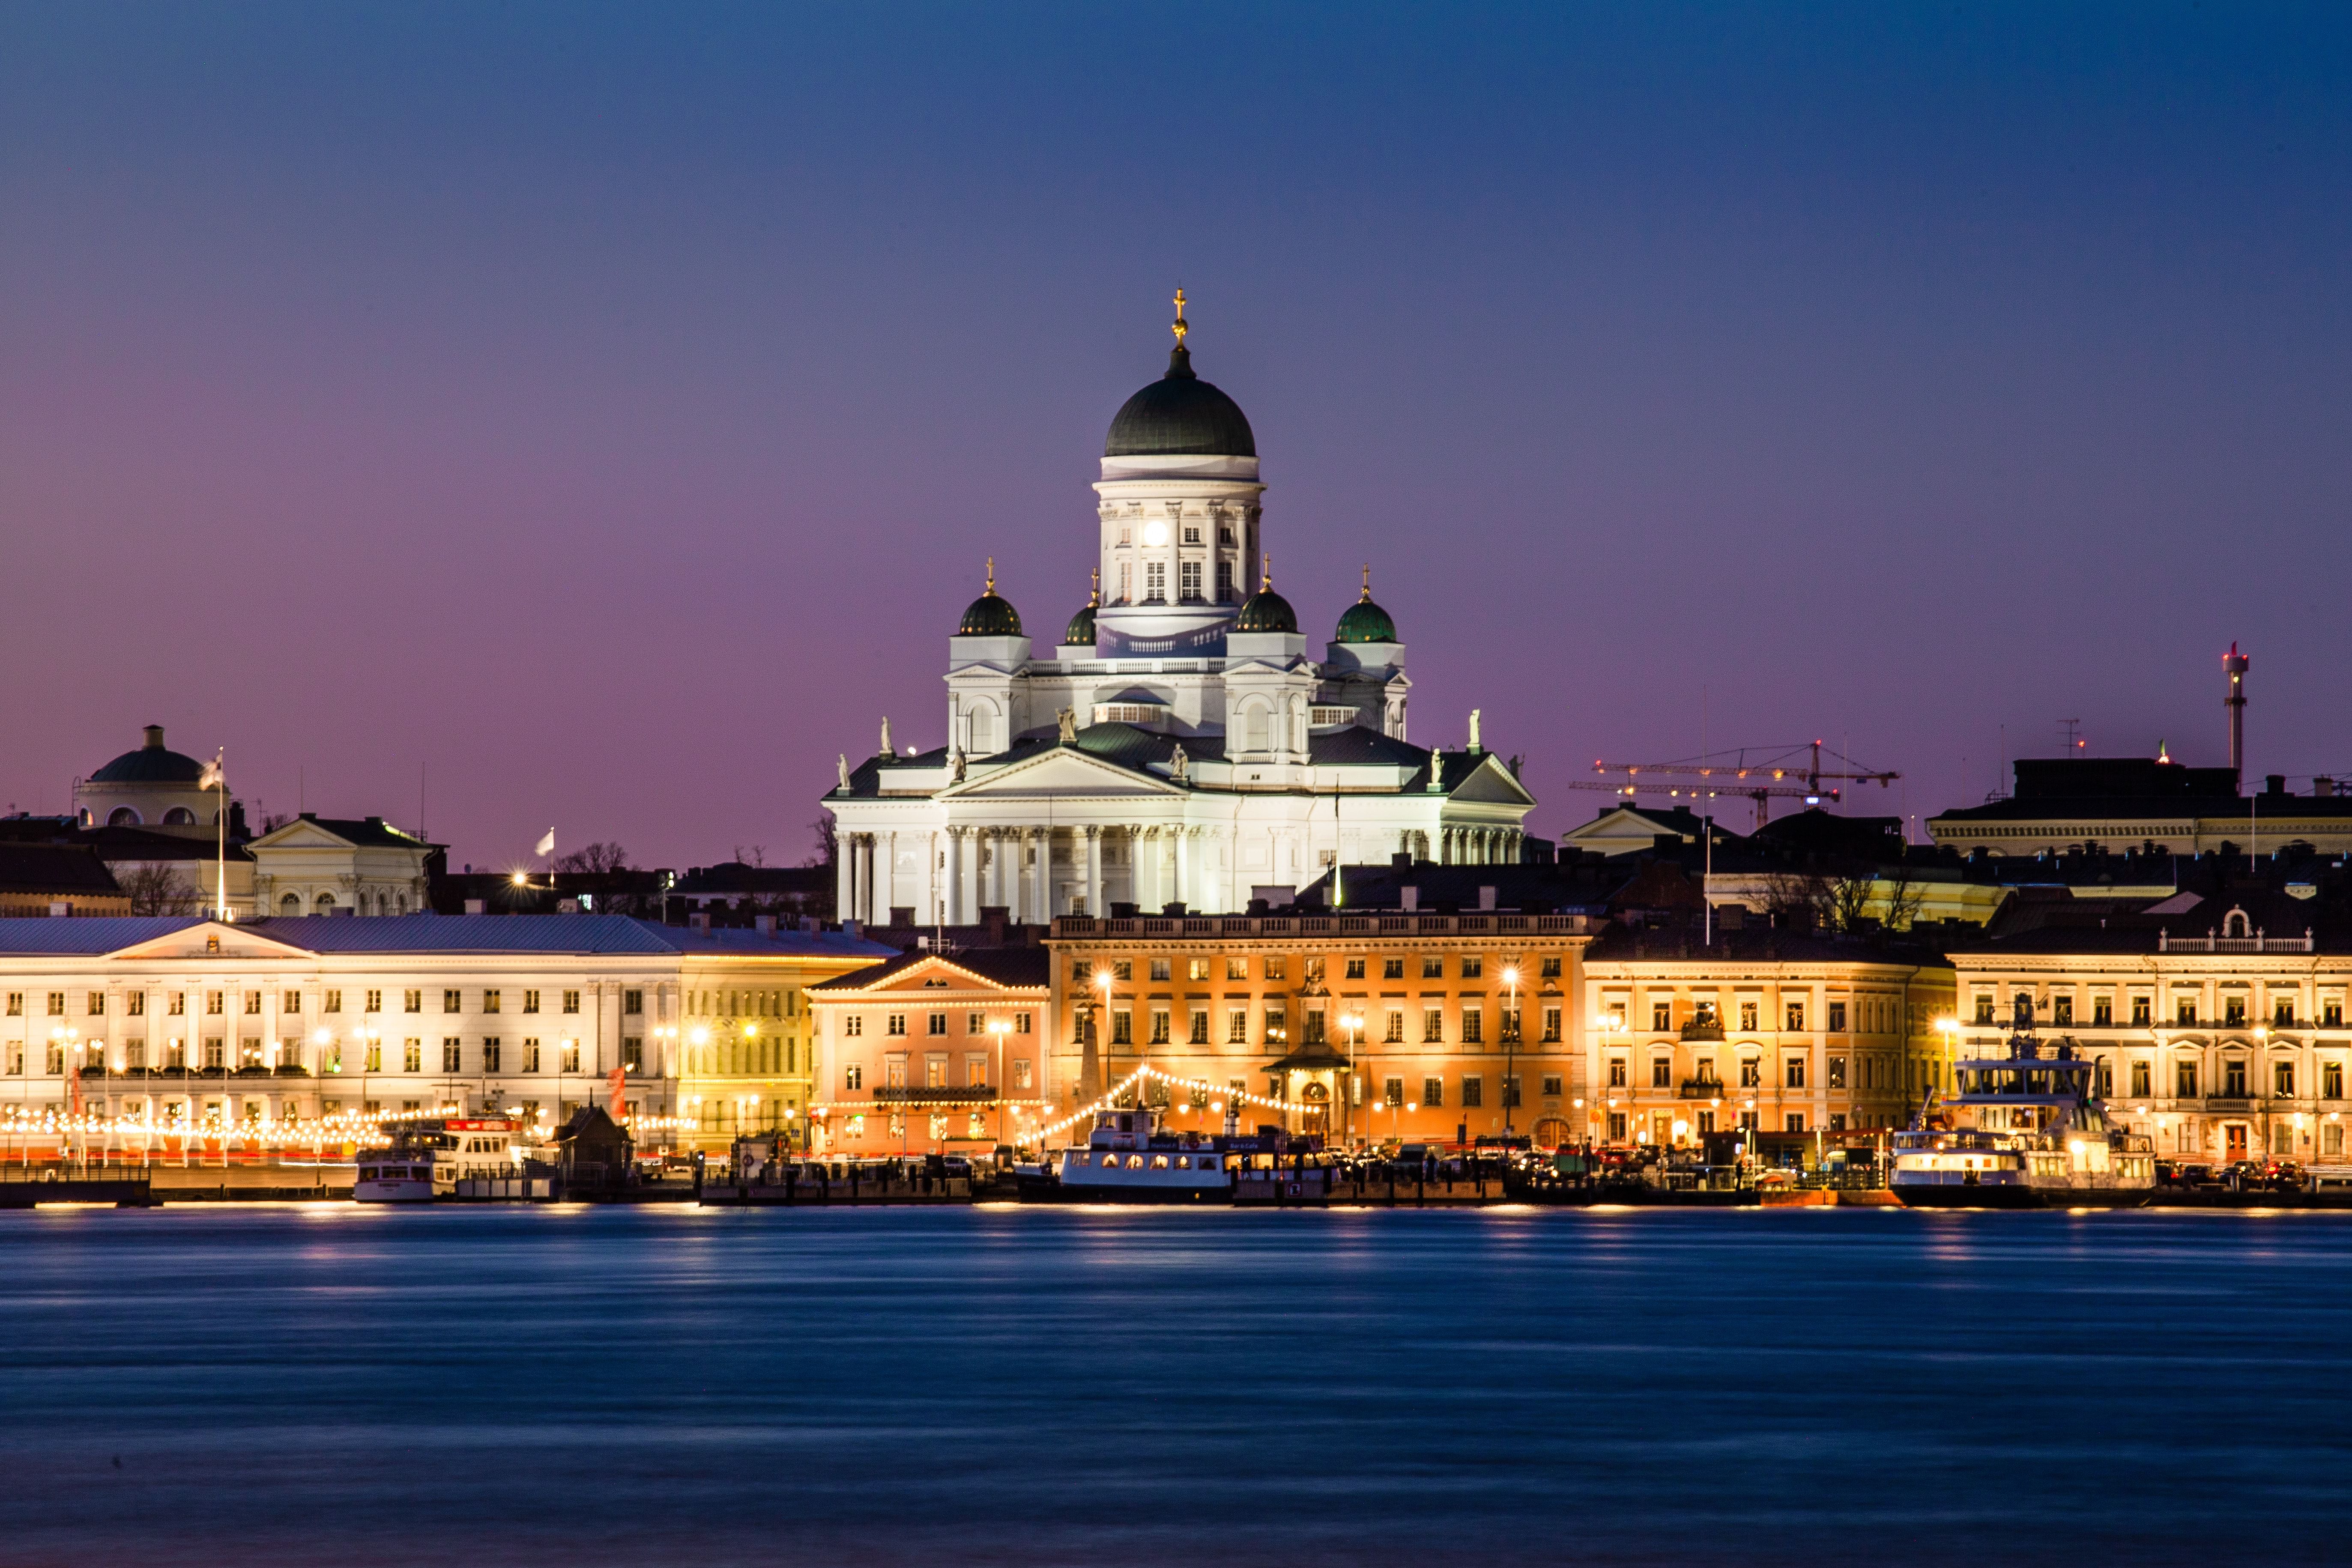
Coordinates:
1904 894
605 856
751 854
156 890
1793 895
826 848
1846 903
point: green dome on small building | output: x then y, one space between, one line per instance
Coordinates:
1267 611
989 615
1364 621
1081 632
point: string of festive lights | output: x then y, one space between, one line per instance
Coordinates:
1110 1101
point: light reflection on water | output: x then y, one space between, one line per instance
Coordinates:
593 1385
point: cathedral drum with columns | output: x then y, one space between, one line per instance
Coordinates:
1178 746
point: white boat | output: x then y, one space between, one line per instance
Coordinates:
2025 1130
1127 1158
428 1157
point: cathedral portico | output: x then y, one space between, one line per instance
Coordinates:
1179 746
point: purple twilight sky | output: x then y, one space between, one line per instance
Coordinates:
606 410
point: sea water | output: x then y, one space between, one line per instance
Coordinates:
1025 1385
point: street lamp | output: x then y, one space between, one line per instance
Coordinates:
1353 1022
998 1028
1510 1047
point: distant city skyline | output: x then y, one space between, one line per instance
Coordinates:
609 416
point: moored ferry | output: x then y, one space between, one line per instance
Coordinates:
2024 1129
428 1157
1128 1158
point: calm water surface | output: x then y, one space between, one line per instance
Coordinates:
314 1385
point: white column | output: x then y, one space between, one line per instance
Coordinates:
1040 901
886 874
1094 872
1185 866
998 892
951 883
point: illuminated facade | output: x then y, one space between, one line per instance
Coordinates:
1376 1026
181 1020
1179 746
933 1054
1782 1032
2219 1030
747 1035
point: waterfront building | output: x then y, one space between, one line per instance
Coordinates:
1178 744
182 1019
934 1053
2119 804
1778 1030
2216 1018
747 1029
1369 1026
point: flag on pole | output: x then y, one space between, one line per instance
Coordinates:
212 777
546 846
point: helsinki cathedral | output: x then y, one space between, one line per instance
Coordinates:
1178 745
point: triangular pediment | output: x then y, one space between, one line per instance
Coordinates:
933 975
1491 781
212 939
1063 771
301 834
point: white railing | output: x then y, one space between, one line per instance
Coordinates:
2210 942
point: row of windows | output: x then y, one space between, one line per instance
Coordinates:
1432 1092
1391 1025
935 1072
2185 1009
1877 1016
216 1002
1870 1072
743 1004
212 1055
975 1023
1312 968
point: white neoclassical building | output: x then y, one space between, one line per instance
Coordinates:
1179 746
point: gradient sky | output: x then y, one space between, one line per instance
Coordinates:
606 410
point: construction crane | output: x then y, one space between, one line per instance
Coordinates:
1792 773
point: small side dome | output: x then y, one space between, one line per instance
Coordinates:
989 615
1364 621
1266 610
1081 632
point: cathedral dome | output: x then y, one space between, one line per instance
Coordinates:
1180 416
1364 621
151 764
1267 611
1081 632
989 615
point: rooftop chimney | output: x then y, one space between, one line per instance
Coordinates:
154 737
2233 664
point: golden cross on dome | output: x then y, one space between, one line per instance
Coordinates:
1265 571
1094 599
991 574
1367 584
1180 329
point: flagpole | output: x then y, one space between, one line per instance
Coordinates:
220 825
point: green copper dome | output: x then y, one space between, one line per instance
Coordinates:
1267 611
1364 621
1081 631
989 615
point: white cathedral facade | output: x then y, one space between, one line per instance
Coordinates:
1178 746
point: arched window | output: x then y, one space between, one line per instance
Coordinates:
2235 925
326 904
179 817
123 816
1257 729
291 904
